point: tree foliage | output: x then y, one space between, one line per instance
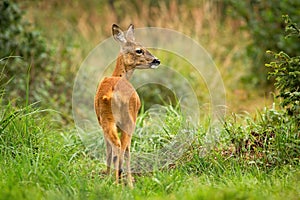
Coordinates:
265 26
21 48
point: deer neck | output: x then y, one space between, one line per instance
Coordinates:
121 70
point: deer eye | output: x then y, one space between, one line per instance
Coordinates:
139 51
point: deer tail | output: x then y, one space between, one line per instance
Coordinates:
107 97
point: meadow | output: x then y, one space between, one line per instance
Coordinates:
256 152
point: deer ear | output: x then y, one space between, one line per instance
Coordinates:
130 33
118 34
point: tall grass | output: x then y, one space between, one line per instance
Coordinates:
39 160
86 24
49 163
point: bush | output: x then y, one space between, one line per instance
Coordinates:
27 47
26 55
286 71
272 139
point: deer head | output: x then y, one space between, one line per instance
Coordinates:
133 55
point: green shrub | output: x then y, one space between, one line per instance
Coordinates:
26 46
25 52
271 139
286 71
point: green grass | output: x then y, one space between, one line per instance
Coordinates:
39 160
43 157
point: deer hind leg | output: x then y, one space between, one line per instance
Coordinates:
108 156
116 160
111 136
129 177
125 146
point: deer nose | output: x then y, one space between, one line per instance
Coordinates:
156 62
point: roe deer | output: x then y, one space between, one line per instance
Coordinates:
117 103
